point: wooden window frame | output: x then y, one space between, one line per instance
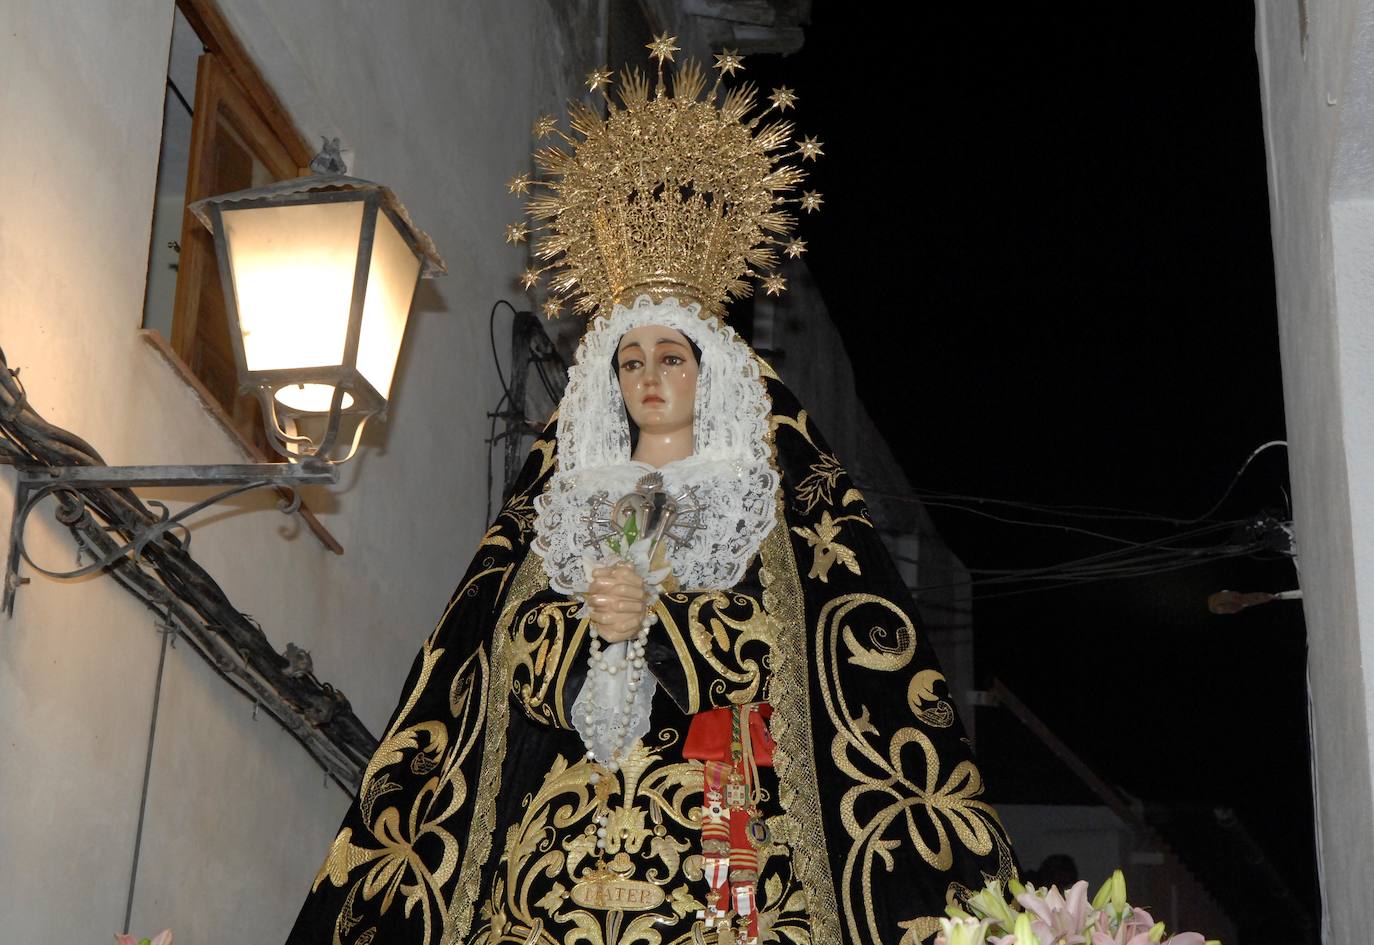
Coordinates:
229 88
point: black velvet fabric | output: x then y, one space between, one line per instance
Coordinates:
475 821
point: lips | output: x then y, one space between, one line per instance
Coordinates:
652 399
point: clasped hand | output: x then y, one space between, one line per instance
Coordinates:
618 600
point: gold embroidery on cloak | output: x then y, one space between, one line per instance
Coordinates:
684 656
560 683
740 613
943 801
529 579
651 793
794 757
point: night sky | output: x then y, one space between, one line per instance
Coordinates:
1046 243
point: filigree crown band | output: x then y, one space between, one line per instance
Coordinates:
674 192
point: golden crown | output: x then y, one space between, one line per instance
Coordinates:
672 193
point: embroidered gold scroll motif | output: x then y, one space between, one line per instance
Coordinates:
458 919
394 869
540 639
902 792
793 757
550 887
732 635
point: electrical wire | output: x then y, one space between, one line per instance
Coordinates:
190 112
1072 529
1066 584
1095 512
1133 558
495 358
1128 568
505 392
1137 559
554 395
1239 473
928 496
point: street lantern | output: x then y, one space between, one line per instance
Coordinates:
319 274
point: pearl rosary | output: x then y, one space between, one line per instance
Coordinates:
615 729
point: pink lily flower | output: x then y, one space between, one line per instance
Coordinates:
1058 921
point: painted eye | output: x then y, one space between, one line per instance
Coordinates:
673 360
629 365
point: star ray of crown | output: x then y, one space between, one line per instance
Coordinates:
679 191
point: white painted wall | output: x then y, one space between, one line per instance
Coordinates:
1318 99
433 99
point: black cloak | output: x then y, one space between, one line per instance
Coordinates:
473 821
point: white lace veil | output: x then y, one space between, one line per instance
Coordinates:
731 469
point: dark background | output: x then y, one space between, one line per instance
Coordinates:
1046 242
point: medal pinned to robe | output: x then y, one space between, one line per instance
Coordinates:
732 743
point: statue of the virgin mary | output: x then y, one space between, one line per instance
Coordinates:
680 697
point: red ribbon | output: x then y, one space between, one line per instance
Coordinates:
730 855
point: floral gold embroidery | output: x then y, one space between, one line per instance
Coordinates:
539 641
391 847
902 793
818 486
825 548
646 872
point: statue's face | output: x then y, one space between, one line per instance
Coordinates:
658 379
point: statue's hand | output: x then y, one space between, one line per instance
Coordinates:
618 600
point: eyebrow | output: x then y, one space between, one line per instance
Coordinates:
661 341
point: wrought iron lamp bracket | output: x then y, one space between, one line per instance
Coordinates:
35 483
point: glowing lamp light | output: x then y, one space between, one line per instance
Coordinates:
319 274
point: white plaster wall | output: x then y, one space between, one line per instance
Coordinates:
1318 100
433 99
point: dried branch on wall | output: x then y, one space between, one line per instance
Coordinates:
183 597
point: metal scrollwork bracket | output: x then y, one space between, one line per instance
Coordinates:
35 483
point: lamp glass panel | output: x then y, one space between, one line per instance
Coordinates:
386 306
293 274
311 398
